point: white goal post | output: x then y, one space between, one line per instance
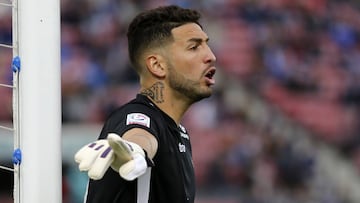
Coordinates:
37 39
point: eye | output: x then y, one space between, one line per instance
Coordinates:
194 47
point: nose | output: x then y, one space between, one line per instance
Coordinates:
210 56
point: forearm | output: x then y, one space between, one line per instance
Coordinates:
144 139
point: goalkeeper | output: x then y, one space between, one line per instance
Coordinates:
143 153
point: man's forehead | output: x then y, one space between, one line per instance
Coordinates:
189 31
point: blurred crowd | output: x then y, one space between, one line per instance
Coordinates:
301 57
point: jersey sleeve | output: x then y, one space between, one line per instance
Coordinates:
129 117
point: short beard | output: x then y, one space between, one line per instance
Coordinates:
188 88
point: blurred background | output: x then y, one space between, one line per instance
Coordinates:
283 125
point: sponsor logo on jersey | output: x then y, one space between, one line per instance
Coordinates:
183 132
138 118
186 136
182 147
182 128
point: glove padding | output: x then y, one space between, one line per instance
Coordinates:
125 157
130 159
95 158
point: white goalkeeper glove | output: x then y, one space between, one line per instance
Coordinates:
95 158
125 157
131 160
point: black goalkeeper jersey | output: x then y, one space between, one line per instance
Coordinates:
171 180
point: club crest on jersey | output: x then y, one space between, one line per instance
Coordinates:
138 118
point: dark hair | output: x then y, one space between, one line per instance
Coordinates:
152 28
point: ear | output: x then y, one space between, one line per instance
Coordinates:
155 66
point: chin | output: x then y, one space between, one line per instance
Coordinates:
201 96
207 93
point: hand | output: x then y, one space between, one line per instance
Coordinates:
130 159
95 158
125 157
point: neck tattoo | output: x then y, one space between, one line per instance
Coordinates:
155 92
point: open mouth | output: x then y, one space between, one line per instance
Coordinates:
210 74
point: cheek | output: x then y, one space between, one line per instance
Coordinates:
186 64
189 71
183 66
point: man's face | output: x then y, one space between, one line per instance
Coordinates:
190 63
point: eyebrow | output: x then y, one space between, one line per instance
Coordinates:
198 40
